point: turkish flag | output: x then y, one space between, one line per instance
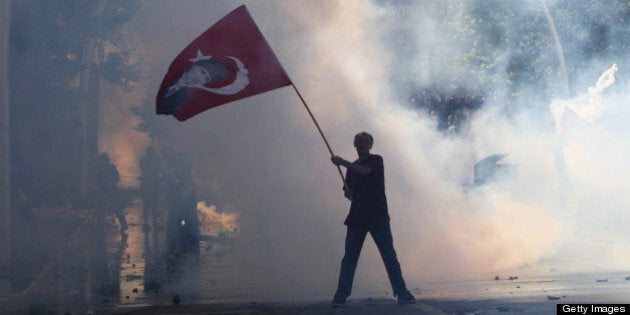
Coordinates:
229 61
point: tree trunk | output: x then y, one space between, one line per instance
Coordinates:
5 153
89 98
85 103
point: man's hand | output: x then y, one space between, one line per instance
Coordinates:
357 168
337 160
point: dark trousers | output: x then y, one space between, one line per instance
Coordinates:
382 236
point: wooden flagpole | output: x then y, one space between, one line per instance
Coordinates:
320 132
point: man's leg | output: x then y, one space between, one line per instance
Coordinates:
354 241
382 236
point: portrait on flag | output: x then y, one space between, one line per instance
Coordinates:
229 61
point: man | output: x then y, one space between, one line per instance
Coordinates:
150 185
110 200
182 222
368 213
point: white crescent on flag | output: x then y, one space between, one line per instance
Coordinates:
240 82
198 75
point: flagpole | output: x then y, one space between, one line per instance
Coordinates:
345 185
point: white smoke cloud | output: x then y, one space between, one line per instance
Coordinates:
118 136
263 155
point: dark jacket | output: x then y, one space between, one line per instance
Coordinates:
369 204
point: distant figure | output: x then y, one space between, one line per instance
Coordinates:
573 117
150 184
365 179
109 195
182 234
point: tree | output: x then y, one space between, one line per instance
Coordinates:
58 59
511 42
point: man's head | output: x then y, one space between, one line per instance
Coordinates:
363 142
103 158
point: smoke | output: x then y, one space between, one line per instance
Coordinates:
118 136
263 155
215 223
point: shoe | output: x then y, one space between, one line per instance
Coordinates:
339 300
405 297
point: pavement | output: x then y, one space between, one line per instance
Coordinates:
520 305
358 306
354 306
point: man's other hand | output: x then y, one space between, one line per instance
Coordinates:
337 160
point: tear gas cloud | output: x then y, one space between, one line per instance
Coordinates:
215 223
118 135
264 157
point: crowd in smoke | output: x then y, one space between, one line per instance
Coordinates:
451 107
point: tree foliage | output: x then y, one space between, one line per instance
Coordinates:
511 42
47 58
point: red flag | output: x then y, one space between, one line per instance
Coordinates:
229 61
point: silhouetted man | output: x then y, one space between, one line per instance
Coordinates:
368 213
107 178
150 185
182 226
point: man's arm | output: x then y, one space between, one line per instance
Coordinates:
357 168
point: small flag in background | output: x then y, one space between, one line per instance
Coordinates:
570 122
229 61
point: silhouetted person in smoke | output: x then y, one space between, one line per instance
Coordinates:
182 234
150 184
109 195
368 213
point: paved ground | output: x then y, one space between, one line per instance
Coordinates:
528 305
360 306
364 306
